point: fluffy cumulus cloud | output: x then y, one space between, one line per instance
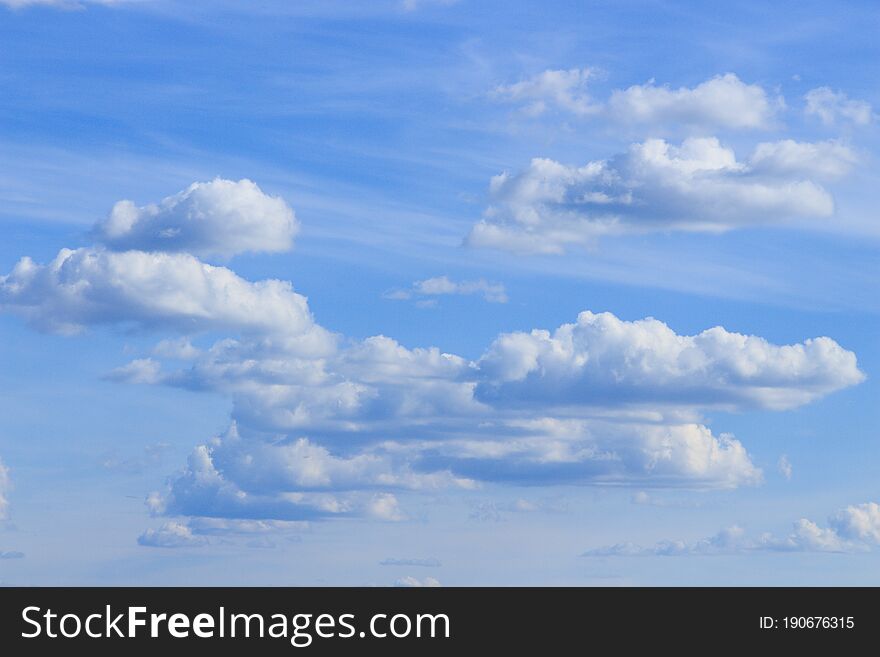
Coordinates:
325 427
235 477
91 285
722 102
725 101
824 159
835 107
221 217
656 186
383 419
425 290
564 90
551 451
603 359
855 528
5 485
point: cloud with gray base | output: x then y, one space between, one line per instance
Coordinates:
655 186
219 218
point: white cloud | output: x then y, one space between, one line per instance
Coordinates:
859 522
784 467
529 411
5 487
336 428
551 451
177 348
415 582
655 186
721 102
443 285
564 90
91 286
832 107
384 506
221 217
602 360
853 529
235 477
171 535
824 159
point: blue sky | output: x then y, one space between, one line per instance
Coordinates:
359 293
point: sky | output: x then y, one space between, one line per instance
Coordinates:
437 292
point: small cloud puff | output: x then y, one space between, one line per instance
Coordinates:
443 285
563 90
784 467
834 107
171 535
